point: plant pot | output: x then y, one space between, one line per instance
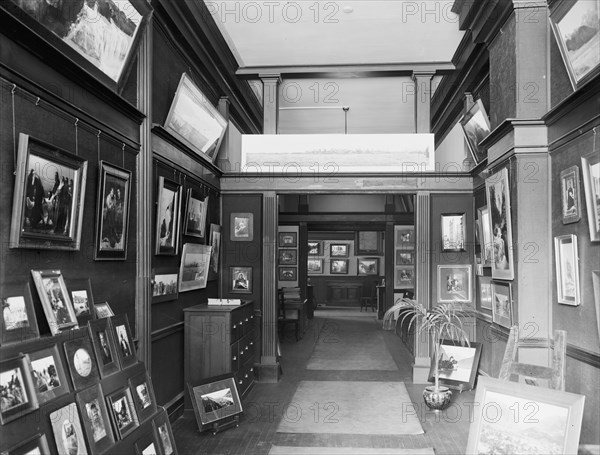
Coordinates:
437 399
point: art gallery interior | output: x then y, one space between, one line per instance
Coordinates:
284 227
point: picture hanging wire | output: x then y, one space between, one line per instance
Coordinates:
123 156
76 139
98 137
12 94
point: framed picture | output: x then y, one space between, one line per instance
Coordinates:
457 364
596 284
338 267
195 214
242 227
288 239
241 280
567 269
288 256
167 217
502 304
18 316
454 283
112 219
66 426
143 396
338 250
92 48
404 258
454 231
368 243
105 346
55 300
193 271
575 27
146 444
590 164
476 127
83 301
569 195
124 340
315 266
165 285
498 202
47 374
485 236
48 200
404 278
82 362
215 399
404 236
194 121
485 292
368 266
164 432
315 248
122 412
288 274
549 421
96 420
103 310
18 394
215 242
37 444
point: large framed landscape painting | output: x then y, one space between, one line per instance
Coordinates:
99 36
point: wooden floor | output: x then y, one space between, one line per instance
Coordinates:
267 404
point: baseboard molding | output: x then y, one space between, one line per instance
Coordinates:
583 355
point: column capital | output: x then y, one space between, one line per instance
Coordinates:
422 74
270 78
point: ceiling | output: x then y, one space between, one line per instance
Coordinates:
264 34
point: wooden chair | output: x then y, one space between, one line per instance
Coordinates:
286 317
371 300
555 374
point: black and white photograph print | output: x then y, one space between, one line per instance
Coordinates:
590 164
14 313
241 279
55 299
125 347
457 364
404 258
104 346
167 217
13 393
143 396
476 127
338 266
502 305
315 266
123 341
404 278
570 195
338 250
82 299
82 362
288 239
194 267
217 400
165 438
47 374
123 412
195 218
81 302
241 227
368 266
95 418
68 434
315 248
288 273
103 310
215 243
454 283
165 285
288 256
18 316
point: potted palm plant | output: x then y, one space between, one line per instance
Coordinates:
441 322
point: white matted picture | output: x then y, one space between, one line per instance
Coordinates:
55 300
195 214
165 285
315 248
193 272
567 269
569 195
454 283
215 399
498 202
590 164
18 316
83 300
454 231
485 236
315 266
47 374
457 364
404 237
338 250
167 217
241 280
485 292
103 310
502 303
68 433
18 395
404 278
242 227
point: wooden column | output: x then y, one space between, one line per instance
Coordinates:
422 101
423 285
270 102
223 153
269 369
143 252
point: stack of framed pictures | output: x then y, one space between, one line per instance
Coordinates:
404 257
287 257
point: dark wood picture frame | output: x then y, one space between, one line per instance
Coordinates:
143 396
122 412
28 399
96 419
590 164
367 266
35 444
404 277
112 217
315 248
45 214
570 195
241 227
368 243
287 256
55 299
215 243
105 347
82 299
67 419
168 212
164 434
288 274
338 250
81 359
125 346
338 266
103 310
48 376
502 304
458 370
215 399
147 444
194 266
22 324
453 232
314 266
165 284
288 239
476 127
196 208
241 279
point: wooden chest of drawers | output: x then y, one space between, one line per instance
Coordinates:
220 340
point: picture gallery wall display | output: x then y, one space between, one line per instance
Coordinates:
502 303
195 214
454 283
95 418
454 231
83 300
242 227
567 269
167 217
55 299
590 164
476 127
17 386
165 285
18 316
569 195
49 196
241 280
215 243
193 271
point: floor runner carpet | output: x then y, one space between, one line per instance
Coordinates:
350 407
289 450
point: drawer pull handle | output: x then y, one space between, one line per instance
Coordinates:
252 369
234 326
242 353
241 322
252 343
246 376
246 319
234 357
240 382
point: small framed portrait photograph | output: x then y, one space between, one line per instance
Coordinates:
195 214
368 266
215 243
215 399
49 197
122 412
368 243
404 277
103 310
18 316
569 195
457 364
242 227
164 432
338 250
288 274
143 396
241 280
454 283
454 231
165 285
315 248
404 236
288 239
18 393
124 341
47 374
167 217
315 266
104 345
485 292
37 444
567 269
112 219
502 304
338 267
146 444
476 127
66 426
82 362
590 167
404 257
96 420
193 270
288 256
83 301
55 299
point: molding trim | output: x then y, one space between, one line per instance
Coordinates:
174 406
167 331
583 355
364 70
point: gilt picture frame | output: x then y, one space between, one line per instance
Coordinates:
55 299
